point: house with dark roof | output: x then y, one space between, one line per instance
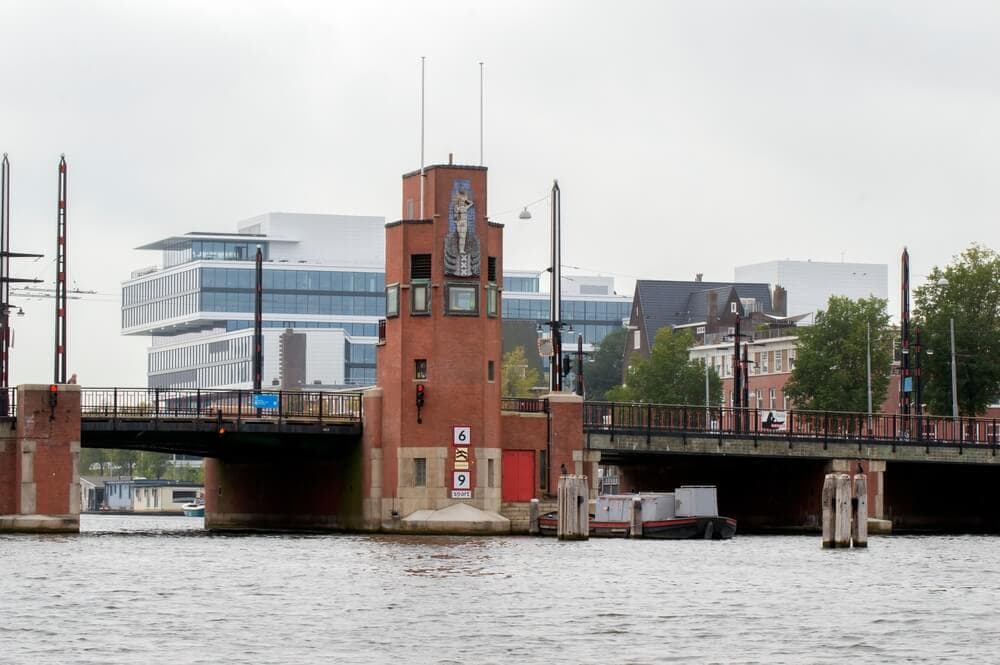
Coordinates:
708 309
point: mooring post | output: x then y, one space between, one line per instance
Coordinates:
533 514
842 518
829 499
635 526
574 518
859 528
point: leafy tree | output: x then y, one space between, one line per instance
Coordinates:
968 292
604 370
151 465
831 360
517 377
669 376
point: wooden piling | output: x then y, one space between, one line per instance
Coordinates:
829 499
842 516
574 517
859 527
533 514
635 526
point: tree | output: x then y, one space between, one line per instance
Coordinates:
967 292
517 378
669 376
604 370
831 360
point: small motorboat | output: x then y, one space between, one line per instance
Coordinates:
194 509
689 512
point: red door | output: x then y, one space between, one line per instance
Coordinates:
518 474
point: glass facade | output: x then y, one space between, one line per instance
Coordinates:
521 284
185 250
594 319
286 291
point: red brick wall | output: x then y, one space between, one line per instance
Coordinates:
54 433
8 470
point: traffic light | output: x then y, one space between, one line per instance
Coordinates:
420 395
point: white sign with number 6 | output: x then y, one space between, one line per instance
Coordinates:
462 435
463 480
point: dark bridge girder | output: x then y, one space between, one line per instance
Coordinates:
222 439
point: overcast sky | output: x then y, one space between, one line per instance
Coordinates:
687 137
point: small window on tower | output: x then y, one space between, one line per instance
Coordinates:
420 472
490 371
392 300
420 368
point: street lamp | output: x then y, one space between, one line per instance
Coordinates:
943 282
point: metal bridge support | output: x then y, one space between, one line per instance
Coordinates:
39 454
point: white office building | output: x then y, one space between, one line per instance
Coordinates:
810 284
323 280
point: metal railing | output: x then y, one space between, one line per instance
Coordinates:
651 419
160 403
524 405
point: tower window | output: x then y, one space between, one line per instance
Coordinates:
491 269
420 472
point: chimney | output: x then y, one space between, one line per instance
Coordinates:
713 310
779 301
698 277
449 159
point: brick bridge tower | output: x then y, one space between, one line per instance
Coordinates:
439 361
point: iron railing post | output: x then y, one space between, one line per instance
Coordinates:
649 423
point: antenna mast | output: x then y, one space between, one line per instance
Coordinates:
60 361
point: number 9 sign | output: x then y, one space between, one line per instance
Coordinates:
463 480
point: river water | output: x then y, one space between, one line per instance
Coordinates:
161 590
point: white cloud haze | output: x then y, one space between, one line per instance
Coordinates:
687 137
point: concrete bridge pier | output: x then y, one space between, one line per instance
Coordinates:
39 455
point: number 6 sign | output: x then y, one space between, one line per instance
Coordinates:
463 480
461 435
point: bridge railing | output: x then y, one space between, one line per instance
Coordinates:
650 419
524 405
157 403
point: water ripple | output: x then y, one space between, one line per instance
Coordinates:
140 590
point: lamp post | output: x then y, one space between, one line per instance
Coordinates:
868 369
954 374
555 292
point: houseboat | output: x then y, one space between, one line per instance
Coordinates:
690 511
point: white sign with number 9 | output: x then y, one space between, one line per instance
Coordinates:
461 435
463 480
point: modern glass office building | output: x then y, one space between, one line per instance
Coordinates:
323 279
590 306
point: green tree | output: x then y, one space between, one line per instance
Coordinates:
669 376
967 292
517 378
604 370
831 360
151 465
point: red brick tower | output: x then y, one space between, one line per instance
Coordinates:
442 337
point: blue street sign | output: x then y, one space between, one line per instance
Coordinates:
265 401
908 384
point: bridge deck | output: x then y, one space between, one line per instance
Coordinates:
626 429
